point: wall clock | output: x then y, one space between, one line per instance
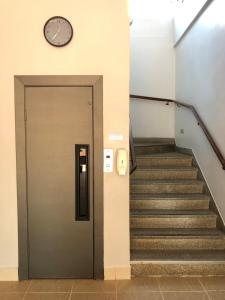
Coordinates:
58 31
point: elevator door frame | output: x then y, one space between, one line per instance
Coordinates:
20 84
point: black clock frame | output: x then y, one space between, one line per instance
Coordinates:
44 29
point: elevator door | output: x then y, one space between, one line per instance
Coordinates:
59 150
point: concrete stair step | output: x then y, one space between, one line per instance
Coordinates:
180 267
170 243
170 212
171 232
153 141
177 255
162 197
166 186
168 172
193 240
172 219
164 159
148 148
169 201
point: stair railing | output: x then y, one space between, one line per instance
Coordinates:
198 118
133 161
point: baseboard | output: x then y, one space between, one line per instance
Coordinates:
117 273
8 274
201 176
111 273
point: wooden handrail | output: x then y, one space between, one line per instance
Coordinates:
198 118
132 152
151 98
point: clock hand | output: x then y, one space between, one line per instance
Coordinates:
57 32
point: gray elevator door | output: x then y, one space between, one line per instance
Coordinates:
60 243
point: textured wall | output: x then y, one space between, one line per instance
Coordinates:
100 47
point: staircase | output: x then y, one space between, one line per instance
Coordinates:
173 224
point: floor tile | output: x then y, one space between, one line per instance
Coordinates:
51 285
47 296
88 286
179 284
93 296
137 285
185 296
213 283
11 296
14 286
218 295
140 296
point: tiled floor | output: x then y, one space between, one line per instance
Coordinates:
164 288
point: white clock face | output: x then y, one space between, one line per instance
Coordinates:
58 31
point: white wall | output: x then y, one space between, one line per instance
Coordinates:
200 77
152 67
152 119
185 12
100 47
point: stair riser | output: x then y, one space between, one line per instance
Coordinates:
177 243
169 188
169 204
177 269
155 161
164 174
154 149
174 222
142 139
